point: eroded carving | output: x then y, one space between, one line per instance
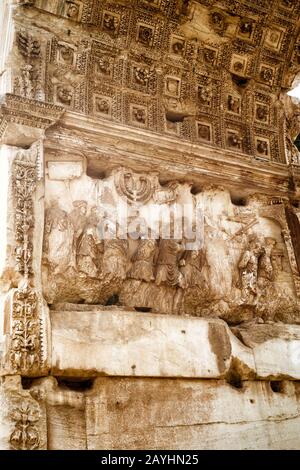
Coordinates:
25 341
24 186
25 435
242 271
124 64
28 45
135 187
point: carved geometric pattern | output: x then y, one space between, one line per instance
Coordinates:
141 49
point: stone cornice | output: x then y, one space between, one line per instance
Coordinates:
106 144
23 121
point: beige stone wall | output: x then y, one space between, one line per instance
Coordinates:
140 413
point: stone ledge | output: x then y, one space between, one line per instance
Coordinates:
125 343
23 120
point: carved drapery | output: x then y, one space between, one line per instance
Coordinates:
160 274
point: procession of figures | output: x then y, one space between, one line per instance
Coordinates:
240 272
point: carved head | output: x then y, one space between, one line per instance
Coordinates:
261 113
246 27
67 54
72 10
262 147
65 95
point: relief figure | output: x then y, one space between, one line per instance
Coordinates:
143 261
192 264
248 267
265 266
167 263
78 219
115 258
90 247
59 232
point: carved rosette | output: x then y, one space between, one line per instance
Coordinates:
25 435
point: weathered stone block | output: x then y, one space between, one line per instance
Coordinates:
112 342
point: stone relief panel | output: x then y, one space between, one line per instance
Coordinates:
147 64
125 239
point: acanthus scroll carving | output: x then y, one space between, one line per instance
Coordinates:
25 338
27 82
25 176
25 342
25 435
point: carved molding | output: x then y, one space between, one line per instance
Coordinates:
32 114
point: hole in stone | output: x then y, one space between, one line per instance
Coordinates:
240 81
251 400
234 379
297 142
113 300
238 201
95 173
196 189
183 331
76 385
142 309
26 382
175 116
277 386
